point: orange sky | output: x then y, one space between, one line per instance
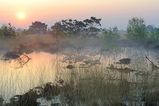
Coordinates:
112 12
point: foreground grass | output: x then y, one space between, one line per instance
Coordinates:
92 87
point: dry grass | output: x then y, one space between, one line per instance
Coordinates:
93 87
26 40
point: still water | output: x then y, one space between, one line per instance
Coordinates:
17 80
45 67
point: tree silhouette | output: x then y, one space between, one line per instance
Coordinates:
37 28
76 28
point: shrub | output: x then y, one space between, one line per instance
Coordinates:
110 34
109 37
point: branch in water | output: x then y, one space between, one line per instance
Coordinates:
154 67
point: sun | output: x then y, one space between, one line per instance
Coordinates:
21 15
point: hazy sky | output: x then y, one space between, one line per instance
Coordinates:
112 12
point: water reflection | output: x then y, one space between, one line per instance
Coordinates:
45 67
37 71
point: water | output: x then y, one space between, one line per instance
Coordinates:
45 67
17 80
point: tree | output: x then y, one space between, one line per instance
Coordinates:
92 25
93 21
153 34
37 28
69 27
136 29
7 31
57 30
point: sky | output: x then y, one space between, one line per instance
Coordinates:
112 12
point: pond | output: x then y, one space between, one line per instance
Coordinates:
45 67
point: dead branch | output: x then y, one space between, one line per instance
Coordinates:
27 59
20 60
154 67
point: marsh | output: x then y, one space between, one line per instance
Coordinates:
89 63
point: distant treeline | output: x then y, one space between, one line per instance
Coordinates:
66 28
136 29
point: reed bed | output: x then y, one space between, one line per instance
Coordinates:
95 82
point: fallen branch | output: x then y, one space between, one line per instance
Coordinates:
27 60
20 60
154 67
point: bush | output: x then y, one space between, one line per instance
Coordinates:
109 38
110 34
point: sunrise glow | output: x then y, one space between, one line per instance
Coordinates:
112 12
21 15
